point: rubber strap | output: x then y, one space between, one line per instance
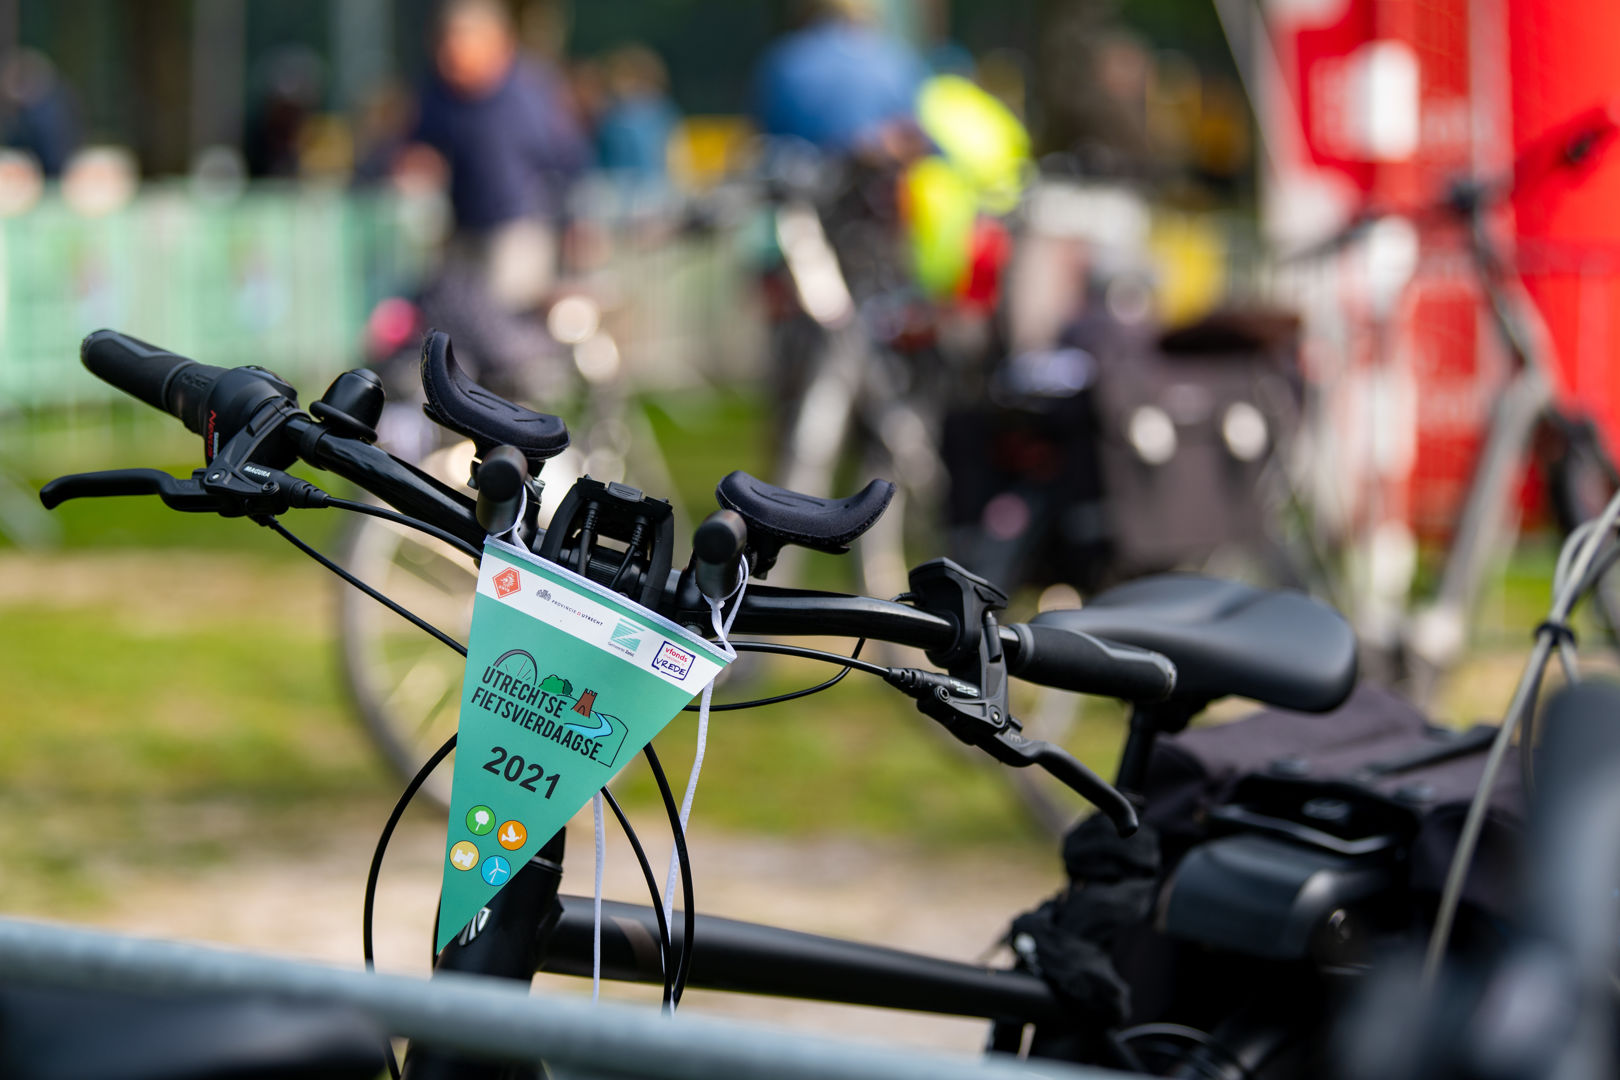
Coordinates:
1562 633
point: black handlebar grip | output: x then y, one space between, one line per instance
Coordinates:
716 546
501 476
162 379
1071 660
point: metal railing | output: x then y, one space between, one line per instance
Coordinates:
487 1017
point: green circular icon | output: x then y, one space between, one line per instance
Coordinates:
480 820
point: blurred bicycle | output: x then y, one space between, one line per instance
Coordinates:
890 268
1419 642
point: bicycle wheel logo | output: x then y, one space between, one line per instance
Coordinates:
518 665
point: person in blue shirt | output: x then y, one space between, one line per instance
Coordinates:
505 129
633 132
839 82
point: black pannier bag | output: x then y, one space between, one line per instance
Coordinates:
1376 744
1186 433
1275 850
1047 476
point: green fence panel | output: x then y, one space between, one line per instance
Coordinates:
280 276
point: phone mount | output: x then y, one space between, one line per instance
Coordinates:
594 511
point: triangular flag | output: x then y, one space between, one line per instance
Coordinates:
566 682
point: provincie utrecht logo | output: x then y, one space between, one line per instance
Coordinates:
511 689
544 594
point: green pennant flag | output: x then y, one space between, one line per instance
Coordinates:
566 682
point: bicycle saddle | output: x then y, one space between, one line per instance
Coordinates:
63 1035
1228 639
777 516
456 402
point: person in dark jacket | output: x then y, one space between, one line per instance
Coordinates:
40 114
506 131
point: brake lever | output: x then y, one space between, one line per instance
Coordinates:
1011 748
177 494
979 716
252 490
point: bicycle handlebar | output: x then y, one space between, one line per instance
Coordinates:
188 391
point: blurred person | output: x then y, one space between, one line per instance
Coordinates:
294 80
21 182
382 129
1092 89
41 116
587 90
1222 146
838 82
505 129
100 180
635 126
218 173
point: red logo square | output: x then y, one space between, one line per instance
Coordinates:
507 582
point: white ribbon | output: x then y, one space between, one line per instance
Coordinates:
722 629
596 916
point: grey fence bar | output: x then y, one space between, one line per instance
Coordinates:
485 1016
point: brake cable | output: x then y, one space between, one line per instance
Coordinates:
368 909
422 624
794 695
383 513
848 663
791 695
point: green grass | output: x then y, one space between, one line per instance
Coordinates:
141 745
139 742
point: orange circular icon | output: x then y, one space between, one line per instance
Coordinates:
512 835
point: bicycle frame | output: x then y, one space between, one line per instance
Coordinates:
852 384
1432 637
751 958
